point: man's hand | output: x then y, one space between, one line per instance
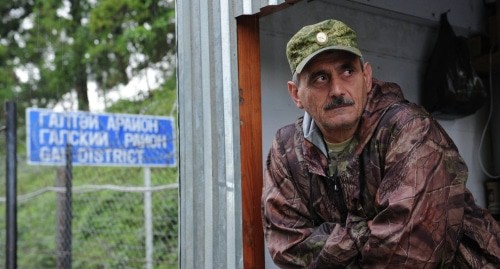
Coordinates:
357 227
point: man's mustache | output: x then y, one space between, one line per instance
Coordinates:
338 102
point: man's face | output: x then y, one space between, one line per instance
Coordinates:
333 89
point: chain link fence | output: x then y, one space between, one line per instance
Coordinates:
115 220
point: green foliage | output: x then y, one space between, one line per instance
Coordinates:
34 243
61 46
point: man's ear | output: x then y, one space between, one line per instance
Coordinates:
293 90
367 74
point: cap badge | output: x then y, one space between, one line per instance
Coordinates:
321 38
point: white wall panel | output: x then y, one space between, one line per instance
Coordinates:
465 14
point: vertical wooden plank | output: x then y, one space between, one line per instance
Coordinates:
251 139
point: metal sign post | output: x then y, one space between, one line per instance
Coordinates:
148 218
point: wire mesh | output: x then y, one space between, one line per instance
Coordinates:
107 217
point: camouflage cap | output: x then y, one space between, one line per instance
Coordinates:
316 38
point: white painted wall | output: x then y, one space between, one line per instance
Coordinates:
396 37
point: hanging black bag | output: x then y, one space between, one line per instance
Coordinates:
452 89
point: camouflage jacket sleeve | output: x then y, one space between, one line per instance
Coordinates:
293 239
419 199
423 216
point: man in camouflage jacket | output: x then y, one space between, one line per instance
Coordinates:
394 197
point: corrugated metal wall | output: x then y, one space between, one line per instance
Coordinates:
210 189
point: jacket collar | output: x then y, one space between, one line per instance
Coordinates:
380 98
312 133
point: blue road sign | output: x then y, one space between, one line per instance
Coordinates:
99 139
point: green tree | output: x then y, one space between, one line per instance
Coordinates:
49 48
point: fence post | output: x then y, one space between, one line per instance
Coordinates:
11 187
64 212
148 219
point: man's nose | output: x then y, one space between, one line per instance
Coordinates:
335 89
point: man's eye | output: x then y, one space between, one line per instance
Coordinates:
321 78
348 71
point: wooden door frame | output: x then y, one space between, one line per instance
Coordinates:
251 139
249 87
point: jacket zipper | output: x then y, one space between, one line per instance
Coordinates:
339 196
337 189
